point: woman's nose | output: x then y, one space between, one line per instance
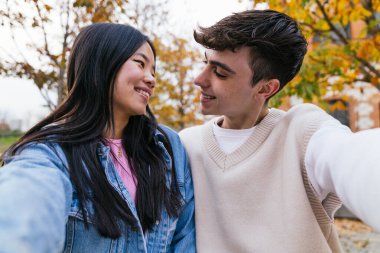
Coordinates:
150 80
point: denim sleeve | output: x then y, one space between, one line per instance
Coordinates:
35 197
184 235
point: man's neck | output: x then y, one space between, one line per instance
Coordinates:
243 122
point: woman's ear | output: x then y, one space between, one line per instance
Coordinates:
269 88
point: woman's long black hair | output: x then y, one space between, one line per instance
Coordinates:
78 123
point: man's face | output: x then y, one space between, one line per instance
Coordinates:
225 84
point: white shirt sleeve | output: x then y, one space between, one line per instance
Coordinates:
347 164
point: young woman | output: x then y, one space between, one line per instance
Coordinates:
98 174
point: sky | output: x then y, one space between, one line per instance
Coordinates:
21 103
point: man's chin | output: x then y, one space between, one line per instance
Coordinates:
207 112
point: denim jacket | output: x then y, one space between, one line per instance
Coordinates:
39 207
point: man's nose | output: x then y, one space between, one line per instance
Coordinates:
202 80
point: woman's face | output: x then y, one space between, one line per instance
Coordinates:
134 84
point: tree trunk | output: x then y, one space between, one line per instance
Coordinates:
61 86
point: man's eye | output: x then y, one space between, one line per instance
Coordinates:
219 75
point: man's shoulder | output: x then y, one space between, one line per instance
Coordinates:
306 113
191 131
304 120
194 134
305 108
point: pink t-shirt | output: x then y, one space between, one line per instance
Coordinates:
121 163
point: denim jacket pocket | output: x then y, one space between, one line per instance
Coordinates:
82 238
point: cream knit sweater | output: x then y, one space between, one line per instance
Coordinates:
258 198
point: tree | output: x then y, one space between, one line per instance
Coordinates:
176 101
344 44
175 84
51 26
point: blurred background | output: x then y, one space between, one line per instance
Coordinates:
341 71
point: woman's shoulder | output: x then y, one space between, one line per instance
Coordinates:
41 153
164 131
168 130
172 136
37 148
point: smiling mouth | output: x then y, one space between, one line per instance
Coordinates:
143 92
207 97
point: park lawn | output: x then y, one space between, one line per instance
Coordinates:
5 142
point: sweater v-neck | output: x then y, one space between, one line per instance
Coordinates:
248 148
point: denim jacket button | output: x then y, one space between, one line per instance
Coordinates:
157 222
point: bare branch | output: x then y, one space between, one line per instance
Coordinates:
49 102
11 27
46 45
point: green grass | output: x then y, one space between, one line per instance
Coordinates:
5 142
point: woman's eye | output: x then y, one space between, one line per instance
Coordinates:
142 64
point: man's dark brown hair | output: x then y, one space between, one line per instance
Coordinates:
277 44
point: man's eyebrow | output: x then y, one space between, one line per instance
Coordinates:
221 65
146 59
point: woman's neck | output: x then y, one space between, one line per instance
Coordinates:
118 130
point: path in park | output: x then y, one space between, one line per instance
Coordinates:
357 237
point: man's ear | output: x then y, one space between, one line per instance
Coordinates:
269 88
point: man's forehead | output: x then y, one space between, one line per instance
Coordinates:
228 52
232 58
212 54
208 52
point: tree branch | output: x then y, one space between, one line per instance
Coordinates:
11 28
49 102
46 45
344 41
331 25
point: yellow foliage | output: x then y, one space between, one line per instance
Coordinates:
339 105
345 44
375 81
175 83
366 48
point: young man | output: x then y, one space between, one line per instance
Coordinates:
267 180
